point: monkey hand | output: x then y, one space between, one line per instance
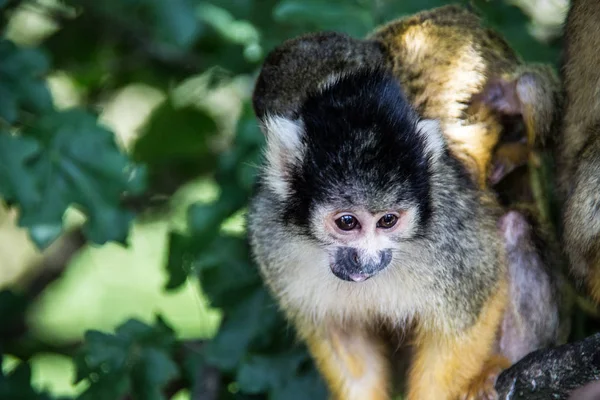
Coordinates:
482 386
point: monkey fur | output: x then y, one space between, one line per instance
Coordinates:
578 148
538 311
328 126
379 155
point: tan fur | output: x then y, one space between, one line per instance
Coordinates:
513 154
451 366
443 57
353 365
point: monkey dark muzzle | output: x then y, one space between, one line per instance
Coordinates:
349 265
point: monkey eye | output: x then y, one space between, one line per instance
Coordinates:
346 222
387 221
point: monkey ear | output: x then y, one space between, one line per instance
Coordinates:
284 151
431 130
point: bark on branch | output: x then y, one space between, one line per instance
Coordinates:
552 373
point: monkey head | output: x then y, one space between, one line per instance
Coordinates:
351 171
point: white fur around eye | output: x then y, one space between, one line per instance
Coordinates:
284 150
432 132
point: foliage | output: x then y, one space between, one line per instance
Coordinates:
53 160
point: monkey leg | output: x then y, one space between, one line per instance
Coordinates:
461 365
353 362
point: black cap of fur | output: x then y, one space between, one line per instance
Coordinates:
361 142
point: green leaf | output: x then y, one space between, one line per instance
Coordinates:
306 386
511 23
236 175
248 171
153 371
194 368
226 273
107 386
9 106
343 16
17 384
248 134
176 21
172 132
80 164
179 141
205 249
180 260
388 10
261 373
173 22
209 217
242 325
136 358
105 350
22 85
160 335
17 181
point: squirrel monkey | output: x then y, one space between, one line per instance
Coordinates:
495 113
373 208
578 148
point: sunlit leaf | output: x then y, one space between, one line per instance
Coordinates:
79 164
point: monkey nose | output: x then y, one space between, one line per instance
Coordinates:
349 265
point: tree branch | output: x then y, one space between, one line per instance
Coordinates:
552 373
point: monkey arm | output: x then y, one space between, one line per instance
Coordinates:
459 365
352 360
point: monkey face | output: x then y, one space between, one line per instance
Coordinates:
360 242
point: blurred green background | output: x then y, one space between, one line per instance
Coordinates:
128 149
